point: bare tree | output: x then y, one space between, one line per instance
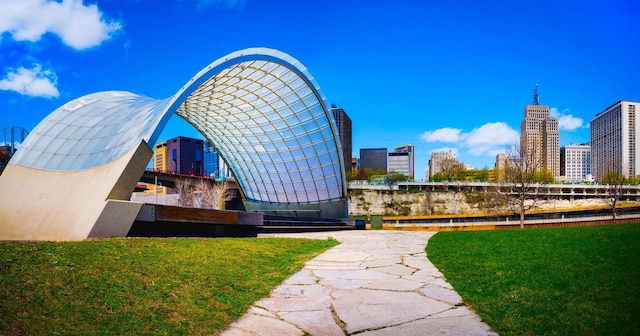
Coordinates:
615 180
211 194
450 168
185 192
519 191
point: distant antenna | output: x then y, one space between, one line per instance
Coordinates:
536 98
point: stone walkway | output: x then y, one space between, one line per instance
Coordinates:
373 283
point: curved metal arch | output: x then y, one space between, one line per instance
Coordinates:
267 170
285 150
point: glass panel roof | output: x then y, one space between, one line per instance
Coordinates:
268 107
91 131
259 107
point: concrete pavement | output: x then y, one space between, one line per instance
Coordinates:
373 283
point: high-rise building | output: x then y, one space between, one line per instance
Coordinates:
374 158
355 165
159 164
179 155
540 137
401 160
160 157
501 161
575 162
435 163
613 140
343 123
184 156
398 163
214 165
211 160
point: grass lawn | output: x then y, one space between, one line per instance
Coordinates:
560 281
141 286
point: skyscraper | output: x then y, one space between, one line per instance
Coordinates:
575 162
343 123
214 165
211 160
613 140
437 158
540 137
184 156
159 164
374 158
355 165
401 160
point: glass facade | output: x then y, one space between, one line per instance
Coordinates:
259 107
91 131
374 158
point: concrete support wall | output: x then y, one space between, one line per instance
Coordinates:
49 205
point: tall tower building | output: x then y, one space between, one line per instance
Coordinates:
355 165
214 165
575 162
374 158
401 160
540 137
613 140
435 163
159 164
343 123
211 160
184 156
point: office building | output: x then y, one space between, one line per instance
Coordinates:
437 158
159 164
401 160
374 158
184 156
398 163
214 165
575 162
540 137
343 123
613 140
211 161
355 165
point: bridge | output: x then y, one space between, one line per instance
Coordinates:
573 191
168 179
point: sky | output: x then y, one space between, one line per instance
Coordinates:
441 75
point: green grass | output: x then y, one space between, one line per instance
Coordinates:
141 286
560 281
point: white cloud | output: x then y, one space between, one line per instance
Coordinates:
566 121
486 140
446 134
490 137
77 25
32 82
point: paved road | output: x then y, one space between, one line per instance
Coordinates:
374 283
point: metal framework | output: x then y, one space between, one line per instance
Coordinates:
260 109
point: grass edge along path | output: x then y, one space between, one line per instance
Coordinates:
556 281
182 286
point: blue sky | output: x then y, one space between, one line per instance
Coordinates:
436 74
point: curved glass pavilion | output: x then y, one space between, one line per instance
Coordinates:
260 108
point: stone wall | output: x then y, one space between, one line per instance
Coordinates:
389 202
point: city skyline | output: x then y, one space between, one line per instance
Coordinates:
437 75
